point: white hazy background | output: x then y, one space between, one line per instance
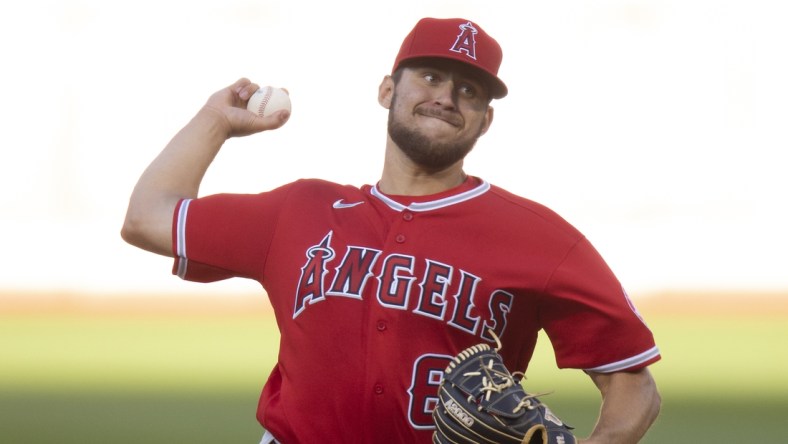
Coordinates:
657 127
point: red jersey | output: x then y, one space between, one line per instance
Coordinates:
373 295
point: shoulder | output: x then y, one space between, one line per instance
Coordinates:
310 190
321 186
523 210
300 192
311 194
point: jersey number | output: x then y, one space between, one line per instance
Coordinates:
427 374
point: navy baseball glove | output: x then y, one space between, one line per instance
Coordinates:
481 402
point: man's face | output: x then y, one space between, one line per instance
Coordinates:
438 110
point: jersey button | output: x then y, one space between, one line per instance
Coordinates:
400 238
382 326
378 389
407 215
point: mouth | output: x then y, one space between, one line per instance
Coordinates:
449 117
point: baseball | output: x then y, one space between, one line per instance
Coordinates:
268 100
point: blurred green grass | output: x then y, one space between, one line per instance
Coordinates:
721 377
77 377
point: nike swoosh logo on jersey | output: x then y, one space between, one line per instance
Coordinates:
341 204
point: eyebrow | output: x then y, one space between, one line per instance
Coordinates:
468 73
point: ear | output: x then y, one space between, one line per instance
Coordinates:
386 92
488 119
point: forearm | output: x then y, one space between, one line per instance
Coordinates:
177 171
174 174
630 405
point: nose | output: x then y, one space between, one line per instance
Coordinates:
446 95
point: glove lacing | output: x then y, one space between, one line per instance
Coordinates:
489 384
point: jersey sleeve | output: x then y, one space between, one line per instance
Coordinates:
225 235
590 320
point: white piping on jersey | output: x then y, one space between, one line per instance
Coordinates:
180 243
626 363
435 204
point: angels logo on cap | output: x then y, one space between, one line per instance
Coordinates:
466 42
455 39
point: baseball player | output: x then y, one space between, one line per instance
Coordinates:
376 287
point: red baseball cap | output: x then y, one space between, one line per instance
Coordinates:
455 39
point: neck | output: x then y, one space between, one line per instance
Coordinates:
403 177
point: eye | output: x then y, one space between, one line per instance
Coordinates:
430 77
468 90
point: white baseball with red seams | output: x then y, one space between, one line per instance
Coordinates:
268 100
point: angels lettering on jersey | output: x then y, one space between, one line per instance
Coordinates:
440 292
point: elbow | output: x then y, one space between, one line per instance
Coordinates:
131 231
148 222
143 230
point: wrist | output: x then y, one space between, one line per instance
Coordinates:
214 123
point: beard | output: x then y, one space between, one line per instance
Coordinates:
429 154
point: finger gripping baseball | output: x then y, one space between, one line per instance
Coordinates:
268 100
481 402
